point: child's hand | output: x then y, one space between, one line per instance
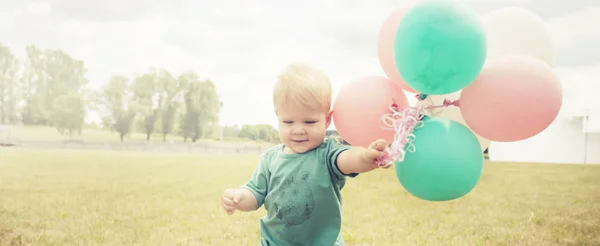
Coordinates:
376 150
231 198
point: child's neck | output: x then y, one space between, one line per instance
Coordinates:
288 150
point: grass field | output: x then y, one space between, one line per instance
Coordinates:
71 197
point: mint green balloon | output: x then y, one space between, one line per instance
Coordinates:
440 47
447 162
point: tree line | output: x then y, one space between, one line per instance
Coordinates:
50 88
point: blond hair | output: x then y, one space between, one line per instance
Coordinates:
302 85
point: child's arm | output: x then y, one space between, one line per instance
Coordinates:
359 159
250 196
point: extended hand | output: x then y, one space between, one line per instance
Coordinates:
376 150
231 198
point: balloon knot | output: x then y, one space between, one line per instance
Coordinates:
421 96
448 103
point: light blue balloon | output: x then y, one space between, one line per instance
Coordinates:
440 47
446 164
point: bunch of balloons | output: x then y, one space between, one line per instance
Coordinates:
476 80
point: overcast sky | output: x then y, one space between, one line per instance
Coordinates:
241 45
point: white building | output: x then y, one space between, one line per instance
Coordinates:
573 138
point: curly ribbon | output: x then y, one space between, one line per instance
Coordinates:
403 123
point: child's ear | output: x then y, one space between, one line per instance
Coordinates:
328 118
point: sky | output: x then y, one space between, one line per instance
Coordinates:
241 45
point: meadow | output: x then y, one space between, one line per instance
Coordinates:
94 197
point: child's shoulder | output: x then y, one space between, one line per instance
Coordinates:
271 152
332 142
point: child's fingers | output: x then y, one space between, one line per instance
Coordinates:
228 201
379 145
229 209
237 196
229 192
234 195
372 145
228 205
374 154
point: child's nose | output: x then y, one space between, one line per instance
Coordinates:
298 130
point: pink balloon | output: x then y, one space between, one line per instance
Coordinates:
385 47
358 108
514 98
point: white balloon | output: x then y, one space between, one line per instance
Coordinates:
517 31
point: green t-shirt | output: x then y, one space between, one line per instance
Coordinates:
301 193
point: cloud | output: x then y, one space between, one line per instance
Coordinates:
576 37
544 8
580 87
582 51
11 4
105 10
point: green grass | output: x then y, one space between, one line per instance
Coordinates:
72 197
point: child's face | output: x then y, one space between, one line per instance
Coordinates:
302 129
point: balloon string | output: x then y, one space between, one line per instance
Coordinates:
402 122
446 103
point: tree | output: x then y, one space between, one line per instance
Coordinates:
231 131
33 111
191 119
69 114
49 74
9 67
116 101
249 132
262 132
209 106
148 98
201 106
212 130
171 90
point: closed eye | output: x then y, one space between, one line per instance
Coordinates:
310 122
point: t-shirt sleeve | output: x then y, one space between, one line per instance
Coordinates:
333 150
259 181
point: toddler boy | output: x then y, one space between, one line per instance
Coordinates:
299 181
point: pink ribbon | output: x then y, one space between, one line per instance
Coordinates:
403 123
